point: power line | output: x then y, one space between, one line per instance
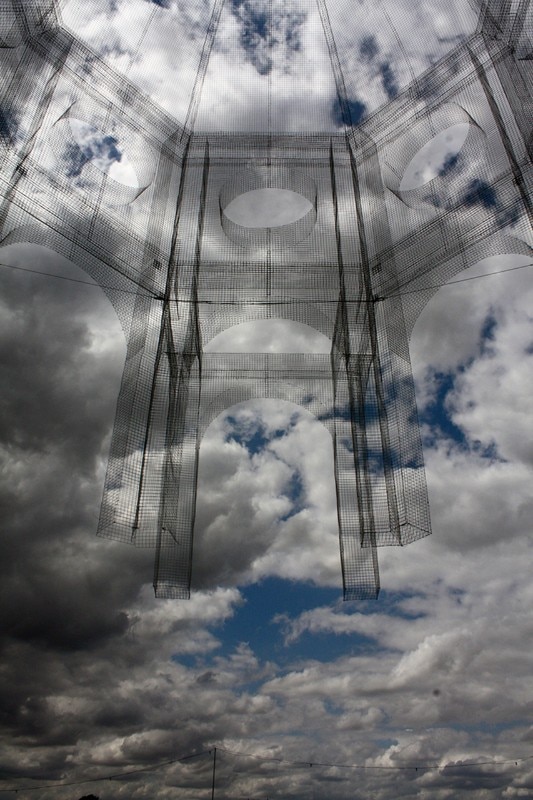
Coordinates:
112 777
302 764
419 766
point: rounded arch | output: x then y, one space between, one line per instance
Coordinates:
226 401
117 288
316 316
26 255
273 335
417 297
470 351
458 323
318 403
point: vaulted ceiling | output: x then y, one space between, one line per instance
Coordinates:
260 65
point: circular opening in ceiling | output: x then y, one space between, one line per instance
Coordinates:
267 208
436 157
104 152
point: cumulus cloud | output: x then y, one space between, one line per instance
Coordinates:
277 51
98 677
267 504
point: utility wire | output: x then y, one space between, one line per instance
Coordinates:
421 766
114 776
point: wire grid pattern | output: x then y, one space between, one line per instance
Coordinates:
358 267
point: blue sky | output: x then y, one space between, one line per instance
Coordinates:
266 658
289 58
266 661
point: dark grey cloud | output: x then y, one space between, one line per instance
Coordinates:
97 676
76 660
60 379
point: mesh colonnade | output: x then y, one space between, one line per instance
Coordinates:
325 99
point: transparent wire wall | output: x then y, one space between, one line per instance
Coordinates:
358 266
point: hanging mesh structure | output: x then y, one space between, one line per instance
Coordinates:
401 134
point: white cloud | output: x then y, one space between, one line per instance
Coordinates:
98 675
250 523
142 39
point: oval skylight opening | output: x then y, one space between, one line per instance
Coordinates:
103 151
267 208
436 157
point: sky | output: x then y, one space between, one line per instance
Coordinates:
424 693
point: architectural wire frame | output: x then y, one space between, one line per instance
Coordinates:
358 266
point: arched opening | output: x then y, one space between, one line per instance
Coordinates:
472 357
269 336
62 354
66 343
97 153
449 331
267 503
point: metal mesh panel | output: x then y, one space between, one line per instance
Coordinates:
358 265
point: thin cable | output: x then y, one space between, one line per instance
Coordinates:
300 764
377 298
115 776
78 280
419 766
457 280
142 37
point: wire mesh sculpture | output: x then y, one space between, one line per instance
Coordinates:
358 265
